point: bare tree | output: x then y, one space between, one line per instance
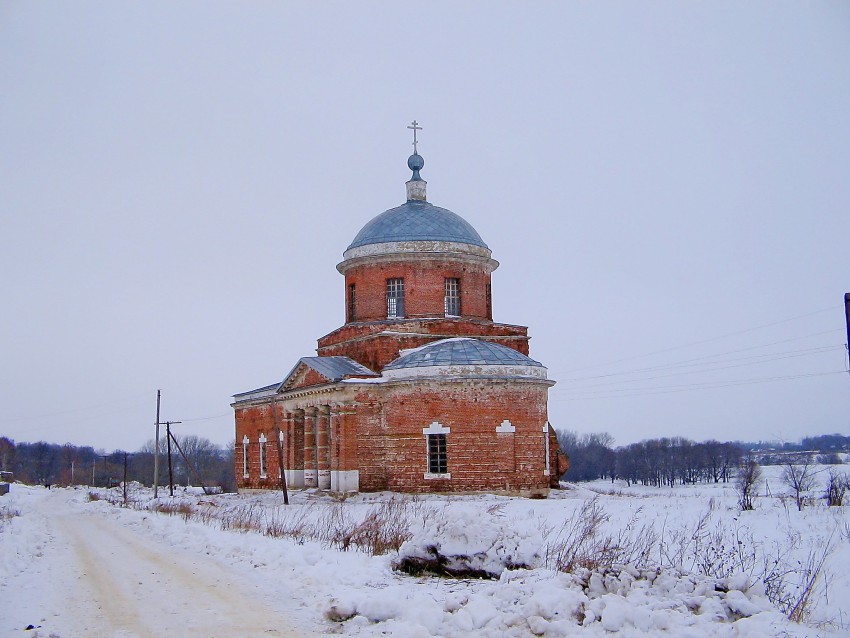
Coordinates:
747 483
798 474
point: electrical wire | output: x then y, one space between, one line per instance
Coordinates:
695 343
682 362
761 359
637 392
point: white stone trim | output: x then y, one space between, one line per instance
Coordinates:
506 427
245 467
417 246
429 476
471 370
324 480
546 446
294 478
311 476
345 480
436 428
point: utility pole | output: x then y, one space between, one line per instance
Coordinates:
72 472
125 479
156 448
847 317
279 436
170 471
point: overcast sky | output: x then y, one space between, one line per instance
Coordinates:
665 185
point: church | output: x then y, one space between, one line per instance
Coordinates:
420 390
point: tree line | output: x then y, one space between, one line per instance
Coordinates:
53 464
668 461
656 462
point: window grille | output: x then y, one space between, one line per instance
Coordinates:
395 298
352 303
437 457
452 297
489 293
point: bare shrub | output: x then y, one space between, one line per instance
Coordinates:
747 482
92 496
385 528
836 487
710 548
582 543
181 508
7 513
794 585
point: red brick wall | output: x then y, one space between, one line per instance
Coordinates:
252 421
366 344
478 457
424 288
381 436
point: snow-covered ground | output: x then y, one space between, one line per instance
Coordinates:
681 562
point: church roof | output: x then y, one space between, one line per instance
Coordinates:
417 220
332 368
335 368
461 352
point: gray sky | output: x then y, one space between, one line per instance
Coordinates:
663 183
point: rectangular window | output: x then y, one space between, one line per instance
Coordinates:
264 466
452 297
489 293
352 303
395 298
245 457
437 458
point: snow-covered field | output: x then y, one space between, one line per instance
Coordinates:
679 562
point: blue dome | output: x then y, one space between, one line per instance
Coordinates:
460 352
417 221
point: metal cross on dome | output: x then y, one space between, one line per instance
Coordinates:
415 127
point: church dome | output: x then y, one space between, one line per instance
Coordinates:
417 220
464 357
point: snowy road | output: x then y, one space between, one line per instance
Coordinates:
102 578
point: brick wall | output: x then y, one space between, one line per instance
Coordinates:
424 287
375 344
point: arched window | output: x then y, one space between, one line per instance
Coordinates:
264 466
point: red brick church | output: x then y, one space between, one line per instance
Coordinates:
420 390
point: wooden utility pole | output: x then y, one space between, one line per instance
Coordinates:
125 479
847 318
279 439
156 450
170 470
189 466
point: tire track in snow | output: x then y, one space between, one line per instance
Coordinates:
137 589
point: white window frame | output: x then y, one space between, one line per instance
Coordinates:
436 428
546 447
395 298
245 465
452 297
264 458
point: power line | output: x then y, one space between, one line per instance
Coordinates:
637 392
747 362
683 362
695 343
72 410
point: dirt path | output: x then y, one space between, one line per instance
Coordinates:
125 585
